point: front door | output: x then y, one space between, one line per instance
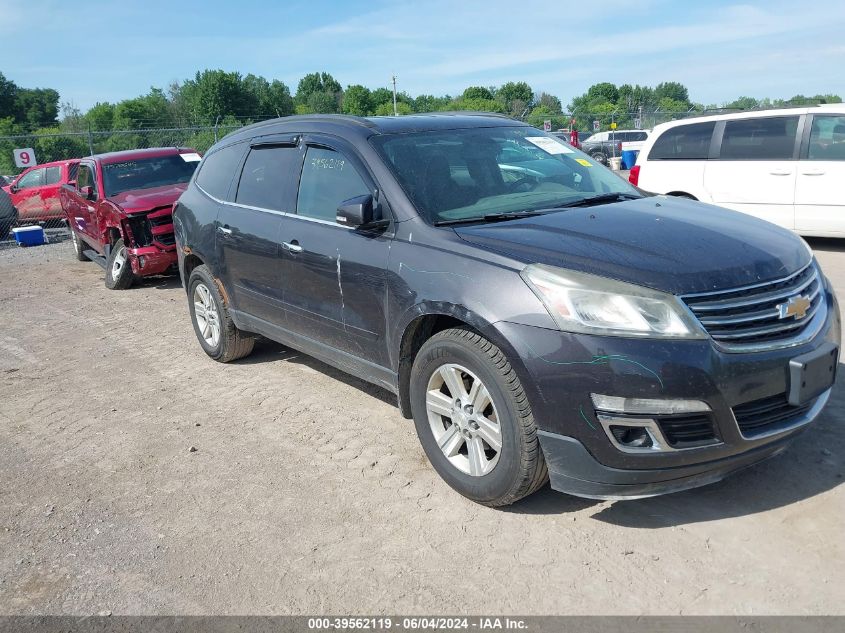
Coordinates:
756 168
819 197
334 276
26 196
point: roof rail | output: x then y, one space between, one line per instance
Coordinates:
466 113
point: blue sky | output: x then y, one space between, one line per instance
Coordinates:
107 51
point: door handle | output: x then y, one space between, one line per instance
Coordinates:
813 172
781 172
292 246
225 230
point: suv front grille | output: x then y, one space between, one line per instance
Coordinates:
751 315
688 431
761 416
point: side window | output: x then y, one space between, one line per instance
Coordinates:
827 138
217 170
683 142
34 178
328 178
265 176
767 138
72 170
638 136
83 178
53 175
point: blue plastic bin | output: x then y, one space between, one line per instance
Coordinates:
629 158
29 235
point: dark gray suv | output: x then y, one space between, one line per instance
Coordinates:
536 316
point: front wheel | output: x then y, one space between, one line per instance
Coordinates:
218 335
78 246
473 419
119 275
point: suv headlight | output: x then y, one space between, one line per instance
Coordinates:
580 302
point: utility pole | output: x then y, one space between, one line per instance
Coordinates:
395 112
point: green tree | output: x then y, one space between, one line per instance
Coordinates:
322 102
671 90
604 92
357 101
37 106
743 103
478 92
316 82
53 144
8 98
271 98
430 103
550 102
101 116
386 109
216 93
476 105
516 96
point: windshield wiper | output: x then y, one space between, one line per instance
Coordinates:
493 217
602 198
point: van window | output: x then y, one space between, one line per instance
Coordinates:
265 176
766 138
328 178
827 138
684 142
217 170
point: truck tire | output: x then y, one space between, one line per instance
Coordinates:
600 157
473 419
119 274
213 325
78 246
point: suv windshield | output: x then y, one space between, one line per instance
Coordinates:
146 173
472 173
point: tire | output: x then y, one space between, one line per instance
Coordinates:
78 246
600 157
469 461
225 342
5 226
119 275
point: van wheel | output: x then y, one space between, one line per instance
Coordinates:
215 330
78 246
473 419
119 275
600 157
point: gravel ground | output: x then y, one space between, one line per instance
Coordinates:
308 493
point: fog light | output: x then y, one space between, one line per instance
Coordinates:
647 406
632 436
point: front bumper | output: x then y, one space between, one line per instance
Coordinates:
151 260
563 369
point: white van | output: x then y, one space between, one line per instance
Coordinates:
785 166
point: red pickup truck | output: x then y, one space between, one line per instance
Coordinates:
119 210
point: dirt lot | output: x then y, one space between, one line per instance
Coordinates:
309 493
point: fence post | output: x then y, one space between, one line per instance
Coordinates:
216 121
90 139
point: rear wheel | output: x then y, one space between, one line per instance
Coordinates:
473 419
218 335
600 157
119 274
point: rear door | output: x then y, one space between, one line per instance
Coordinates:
26 195
334 276
819 194
250 227
756 167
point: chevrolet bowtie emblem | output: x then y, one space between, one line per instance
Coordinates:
796 307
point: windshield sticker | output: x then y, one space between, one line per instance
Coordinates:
581 161
191 157
549 145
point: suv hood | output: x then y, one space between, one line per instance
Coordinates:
137 200
670 244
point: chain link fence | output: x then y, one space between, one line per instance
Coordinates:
35 194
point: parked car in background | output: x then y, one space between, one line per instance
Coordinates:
5 181
35 192
7 214
119 210
604 145
536 316
785 166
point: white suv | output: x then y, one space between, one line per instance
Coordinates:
785 166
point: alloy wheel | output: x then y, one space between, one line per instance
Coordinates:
205 311
464 420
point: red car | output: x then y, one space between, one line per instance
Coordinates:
119 210
35 192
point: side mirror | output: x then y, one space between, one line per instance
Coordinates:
88 192
13 187
356 211
71 183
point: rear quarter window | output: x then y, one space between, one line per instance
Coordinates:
217 170
684 142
